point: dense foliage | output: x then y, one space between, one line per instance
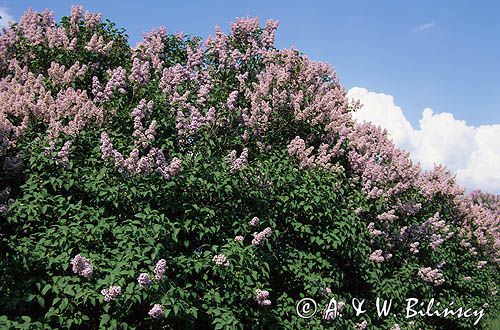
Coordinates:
212 184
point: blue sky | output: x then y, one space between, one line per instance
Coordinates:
452 66
426 70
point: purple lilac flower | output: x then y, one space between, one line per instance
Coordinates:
433 276
262 297
326 291
254 222
144 280
156 312
111 293
220 260
160 267
377 256
260 238
82 266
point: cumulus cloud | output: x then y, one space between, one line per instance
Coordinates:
473 153
426 26
5 18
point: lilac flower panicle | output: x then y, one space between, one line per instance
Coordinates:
260 238
362 325
156 312
262 297
144 280
111 293
433 276
254 222
160 268
220 260
82 266
239 238
326 291
377 256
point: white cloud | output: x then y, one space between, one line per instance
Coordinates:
426 26
5 18
473 153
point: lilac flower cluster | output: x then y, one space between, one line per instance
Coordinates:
140 71
63 154
261 237
433 276
388 216
137 165
254 222
239 239
160 268
151 49
326 291
361 326
111 293
60 75
97 44
262 297
116 82
414 247
481 264
220 260
237 163
156 312
373 231
377 256
144 280
82 266
297 147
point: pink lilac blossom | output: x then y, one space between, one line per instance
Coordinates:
75 17
388 216
111 293
92 19
140 72
260 238
160 268
156 312
99 45
237 163
151 49
60 75
361 326
239 239
481 264
326 291
297 147
269 32
377 256
231 100
254 222
63 154
220 260
414 247
373 231
433 276
144 280
82 266
262 297
116 82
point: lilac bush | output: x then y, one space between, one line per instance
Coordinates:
131 175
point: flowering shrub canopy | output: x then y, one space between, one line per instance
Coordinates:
130 178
